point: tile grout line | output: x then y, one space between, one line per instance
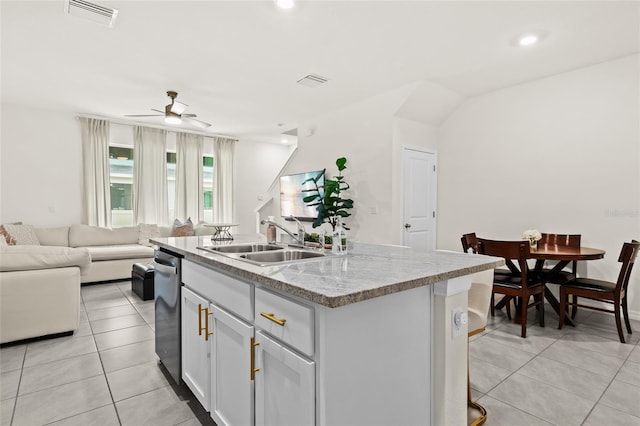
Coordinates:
607 388
15 403
515 371
113 402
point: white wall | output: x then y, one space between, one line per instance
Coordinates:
41 168
256 166
363 133
41 173
561 155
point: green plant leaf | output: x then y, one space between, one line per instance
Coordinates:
311 198
341 163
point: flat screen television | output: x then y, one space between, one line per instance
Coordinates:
291 196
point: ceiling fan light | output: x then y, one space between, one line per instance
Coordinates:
178 107
172 119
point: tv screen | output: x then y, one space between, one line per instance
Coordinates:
291 195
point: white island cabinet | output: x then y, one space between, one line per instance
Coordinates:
362 339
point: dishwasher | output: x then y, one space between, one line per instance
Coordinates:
167 282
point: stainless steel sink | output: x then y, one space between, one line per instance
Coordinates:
265 254
271 257
243 248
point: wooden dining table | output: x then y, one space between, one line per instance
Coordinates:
563 255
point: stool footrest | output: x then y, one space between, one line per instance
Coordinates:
142 281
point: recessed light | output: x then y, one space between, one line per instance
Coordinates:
284 4
283 141
528 40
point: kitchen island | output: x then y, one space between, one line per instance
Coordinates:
364 338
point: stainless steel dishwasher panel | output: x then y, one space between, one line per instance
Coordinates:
167 282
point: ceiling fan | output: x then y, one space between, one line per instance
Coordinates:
174 113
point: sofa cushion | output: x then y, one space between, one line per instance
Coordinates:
165 231
182 229
202 229
53 236
23 234
85 236
147 231
6 236
121 251
22 258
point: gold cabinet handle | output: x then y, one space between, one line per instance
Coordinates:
252 368
206 323
271 317
200 328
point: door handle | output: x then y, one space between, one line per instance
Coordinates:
407 225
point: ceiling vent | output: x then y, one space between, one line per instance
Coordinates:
312 80
91 11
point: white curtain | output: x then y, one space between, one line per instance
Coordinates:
150 203
96 203
223 184
189 196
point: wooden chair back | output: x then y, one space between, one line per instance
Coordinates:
571 240
627 257
469 241
509 251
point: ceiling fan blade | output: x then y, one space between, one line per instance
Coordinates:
178 107
157 110
196 123
189 115
144 115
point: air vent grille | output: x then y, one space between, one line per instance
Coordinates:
312 80
94 12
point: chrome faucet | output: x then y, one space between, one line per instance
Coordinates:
301 231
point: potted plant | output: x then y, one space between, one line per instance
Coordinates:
327 198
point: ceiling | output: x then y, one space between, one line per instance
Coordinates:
236 63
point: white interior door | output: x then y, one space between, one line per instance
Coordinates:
419 199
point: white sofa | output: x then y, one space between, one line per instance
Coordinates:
113 251
40 290
40 283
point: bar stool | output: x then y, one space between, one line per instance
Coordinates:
478 310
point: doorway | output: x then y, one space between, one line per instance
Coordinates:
419 198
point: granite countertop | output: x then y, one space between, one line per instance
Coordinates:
367 271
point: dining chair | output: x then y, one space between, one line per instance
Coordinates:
568 240
614 293
470 242
478 309
522 286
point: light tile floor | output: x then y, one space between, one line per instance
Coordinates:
107 372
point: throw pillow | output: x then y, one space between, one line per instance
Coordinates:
23 234
147 231
182 229
8 239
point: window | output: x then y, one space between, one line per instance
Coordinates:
171 184
207 187
121 183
